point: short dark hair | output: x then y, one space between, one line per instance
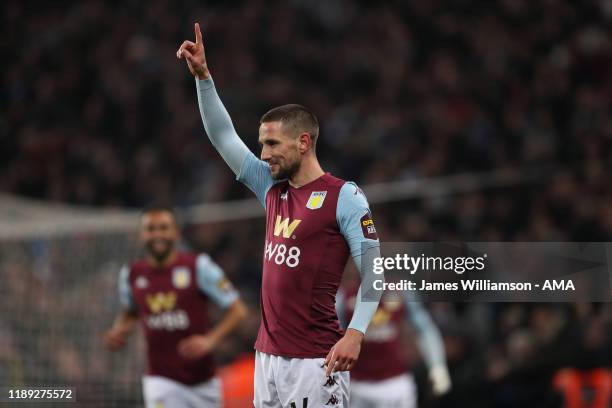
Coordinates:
157 208
296 118
154 208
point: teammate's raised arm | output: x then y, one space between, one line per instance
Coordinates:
217 122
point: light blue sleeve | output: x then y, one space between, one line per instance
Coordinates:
356 225
251 171
429 338
218 125
212 281
352 207
255 174
125 292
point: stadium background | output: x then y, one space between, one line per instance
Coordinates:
490 120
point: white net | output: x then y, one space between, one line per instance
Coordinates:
57 297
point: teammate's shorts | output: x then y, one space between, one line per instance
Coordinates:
282 382
162 392
395 392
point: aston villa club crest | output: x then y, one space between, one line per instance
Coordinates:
181 278
316 200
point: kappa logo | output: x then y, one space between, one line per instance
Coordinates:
333 400
316 200
331 381
160 302
181 278
284 227
283 196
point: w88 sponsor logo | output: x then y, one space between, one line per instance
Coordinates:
281 255
169 320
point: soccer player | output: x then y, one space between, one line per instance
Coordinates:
381 377
313 222
168 292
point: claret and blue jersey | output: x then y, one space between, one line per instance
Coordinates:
172 303
310 232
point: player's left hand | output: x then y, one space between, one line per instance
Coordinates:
196 346
344 354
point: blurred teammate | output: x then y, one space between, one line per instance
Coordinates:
381 377
313 222
168 292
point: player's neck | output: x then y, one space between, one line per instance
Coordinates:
310 170
169 260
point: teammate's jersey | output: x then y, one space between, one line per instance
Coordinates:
171 303
381 354
310 232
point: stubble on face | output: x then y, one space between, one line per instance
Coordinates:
159 235
287 170
279 151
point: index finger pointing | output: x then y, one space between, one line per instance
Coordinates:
198 33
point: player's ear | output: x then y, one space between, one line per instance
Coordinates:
304 142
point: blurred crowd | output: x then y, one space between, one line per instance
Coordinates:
95 109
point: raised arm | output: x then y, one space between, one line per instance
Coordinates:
217 122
